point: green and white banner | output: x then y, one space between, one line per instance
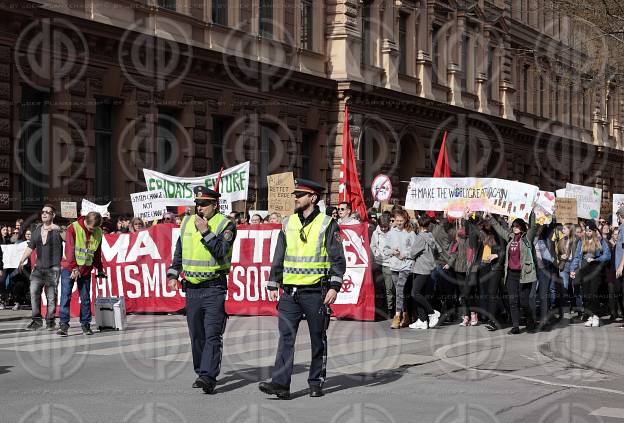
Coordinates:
179 191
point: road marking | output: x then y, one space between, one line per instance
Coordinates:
616 413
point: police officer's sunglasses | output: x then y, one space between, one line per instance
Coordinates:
204 203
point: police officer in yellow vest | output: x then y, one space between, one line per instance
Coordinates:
310 264
203 255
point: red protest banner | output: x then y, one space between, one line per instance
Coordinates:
137 264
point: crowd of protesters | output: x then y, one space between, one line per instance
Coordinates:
490 270
431 270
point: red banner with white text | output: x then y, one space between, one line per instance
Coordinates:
137 264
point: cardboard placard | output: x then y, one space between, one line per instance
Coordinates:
565 210
149 205
69 209
281 187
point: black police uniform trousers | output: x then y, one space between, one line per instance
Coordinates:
206 318
292 305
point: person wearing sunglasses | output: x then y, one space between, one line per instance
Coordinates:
47 240
308 257
345 214
203 257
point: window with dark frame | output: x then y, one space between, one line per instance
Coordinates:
308 138
266 150
366 39
103 128
465 42
34 124
165 139
435 54
220 126
265 16
167 4
307 24
220 12
403 43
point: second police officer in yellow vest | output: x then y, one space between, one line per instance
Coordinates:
309 263
203 256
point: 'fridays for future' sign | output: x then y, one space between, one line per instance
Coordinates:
179 191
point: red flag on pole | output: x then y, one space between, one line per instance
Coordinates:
350 189
218 180
442 168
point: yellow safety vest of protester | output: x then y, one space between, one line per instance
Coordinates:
84 250
306 261
198 263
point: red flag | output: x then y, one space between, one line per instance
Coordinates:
350 190
218 180
442 168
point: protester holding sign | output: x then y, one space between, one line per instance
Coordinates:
203 255
592 254
520 274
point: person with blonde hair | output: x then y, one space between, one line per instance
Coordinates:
400 241
592 253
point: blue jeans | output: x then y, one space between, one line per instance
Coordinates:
539 292
84 289
565 279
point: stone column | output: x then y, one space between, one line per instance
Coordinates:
423 57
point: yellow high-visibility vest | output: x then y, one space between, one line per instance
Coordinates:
198 263
305 263
84 250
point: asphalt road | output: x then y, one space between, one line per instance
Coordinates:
446 375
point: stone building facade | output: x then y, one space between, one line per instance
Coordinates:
92 92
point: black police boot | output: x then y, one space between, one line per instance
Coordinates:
270 388
204 383
316 391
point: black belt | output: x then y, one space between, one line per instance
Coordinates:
302 288
213 283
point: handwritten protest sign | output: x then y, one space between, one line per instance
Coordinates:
454 195
618 201
69 209
565 210
87 206
281 187
587 200
544 207
149 205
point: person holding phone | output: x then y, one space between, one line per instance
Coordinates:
203 256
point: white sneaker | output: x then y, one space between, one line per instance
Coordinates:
465 322
16 307
434 318
589 322
595 321
418 324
